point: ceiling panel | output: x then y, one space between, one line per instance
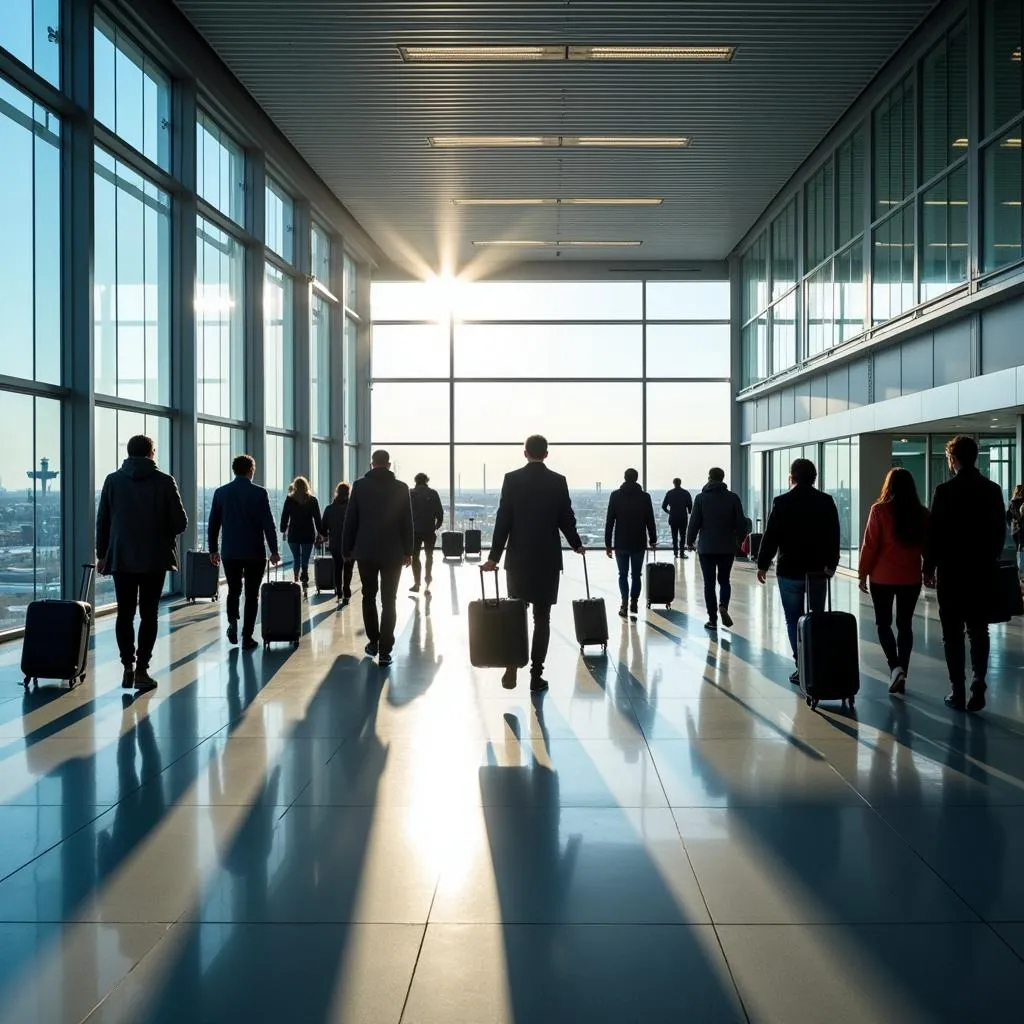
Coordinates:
328 72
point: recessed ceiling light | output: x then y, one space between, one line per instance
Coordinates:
697 53
539 141
531 201
523 243
474 54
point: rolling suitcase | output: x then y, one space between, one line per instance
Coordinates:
660 583
827 653
56 642
497 630
452 544
280 612
474 540
590 617
1005 597
202 577
323 571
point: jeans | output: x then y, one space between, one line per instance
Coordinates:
137 591
374 576
426 542
792 593
710 567
541 637
343 576
250 572
300 559
959 606
678 536
897 648
630 562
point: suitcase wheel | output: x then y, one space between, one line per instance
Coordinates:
813 703
648 605
28 679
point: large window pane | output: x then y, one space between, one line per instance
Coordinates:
893 277
1004 191
895 140
406 300
784 251
131 284
944 235
219 305
849 295
278 348
689 412
30 29
819 216
216 448
1002 66
320 473
320 264
550 300
280 221
548 350
411 350
353 391
220 169
506 413
409 459
754 274
276 475
132 94
944 104
351 274
30 204
113 428
688 350
690 463
688 300
818 299
409 412
755 350
320 365
849 186
784 333
30 514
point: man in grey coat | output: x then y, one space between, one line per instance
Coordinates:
715 528
139 519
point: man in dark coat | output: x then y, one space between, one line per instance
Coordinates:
678 504
966 534
379 536
534 507
427 519
139 519
628 529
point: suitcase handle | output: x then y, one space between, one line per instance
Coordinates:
807 590
497 587
88 572
586 575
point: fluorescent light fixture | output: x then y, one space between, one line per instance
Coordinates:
943 202
1015 55
960 143
523 243
1010 143
539 141
1011 202
476 54
680 53
531 201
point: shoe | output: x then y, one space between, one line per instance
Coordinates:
898 682
249 644
426 590
684 555
711 626
633 610
725 616
538 684
977 698
345 602
622 610
508 679
429 580
144 682
414 589
795 678
955 702
371 649
232 634
128 679
384 660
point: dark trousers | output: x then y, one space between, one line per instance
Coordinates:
630 563
710 566
384 578
301 554
541 637
794 594
343 576
897 647
425 542
963 610
250 572
678 528
137 591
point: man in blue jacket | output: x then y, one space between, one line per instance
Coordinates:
243 511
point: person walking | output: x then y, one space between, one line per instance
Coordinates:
678 503
378 534
534 506
803 530
333 527
138 521
427 519
301 525
716 526
1015 520
890 564
241 510
966 534
629 521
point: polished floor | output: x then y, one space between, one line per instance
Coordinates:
669 834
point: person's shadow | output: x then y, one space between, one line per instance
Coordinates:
424 663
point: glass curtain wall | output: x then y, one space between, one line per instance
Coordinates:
615 375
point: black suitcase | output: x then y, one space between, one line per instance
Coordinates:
754 546
497 630
474 540
590 617
827 653
452 544
660 583
1005 597
56 643
323 571
280 612
202 577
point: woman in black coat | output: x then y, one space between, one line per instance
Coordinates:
301 526
333 527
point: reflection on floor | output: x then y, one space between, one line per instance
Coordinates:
670 834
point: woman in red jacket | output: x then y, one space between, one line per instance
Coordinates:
891 558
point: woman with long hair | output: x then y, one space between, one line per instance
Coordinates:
891 558
301 525
333 527
1015 520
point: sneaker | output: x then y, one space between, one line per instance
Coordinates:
723 611
371 649
955 702
898 681
508 679
795 678
384 659
711 626
684 555
414 589
232 633
144 682
977 698
249 644
538 684
622 610
128 679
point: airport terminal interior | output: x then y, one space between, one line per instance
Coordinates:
668 237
